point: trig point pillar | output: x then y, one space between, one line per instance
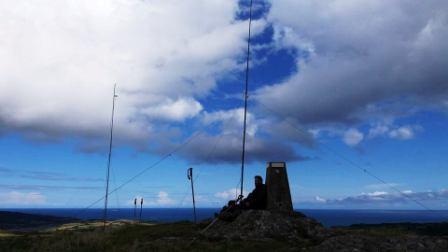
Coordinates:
279 195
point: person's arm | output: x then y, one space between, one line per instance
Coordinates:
249 201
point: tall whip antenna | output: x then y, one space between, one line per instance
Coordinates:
108 161
243 157
190 177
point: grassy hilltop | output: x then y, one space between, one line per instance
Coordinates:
125 236
185 236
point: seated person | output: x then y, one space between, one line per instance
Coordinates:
229 212
258 197
255 200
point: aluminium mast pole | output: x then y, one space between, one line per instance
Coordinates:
190 177
135 208
243 154
109 158
141 209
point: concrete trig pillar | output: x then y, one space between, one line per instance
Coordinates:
279 195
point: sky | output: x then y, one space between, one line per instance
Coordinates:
352 96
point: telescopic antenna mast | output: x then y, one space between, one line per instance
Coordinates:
109 157
190 177
246 96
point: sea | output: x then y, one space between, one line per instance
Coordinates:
327 217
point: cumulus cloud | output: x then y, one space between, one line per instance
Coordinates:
162 199
231 121
402 133
59 61
229 194
22 198
286 130
354 55
379 130
353 137
177 110
226 145
405 132
320 199
227 149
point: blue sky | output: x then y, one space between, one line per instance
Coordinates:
332 84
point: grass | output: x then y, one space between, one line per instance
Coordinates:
6 234
127 236
180 236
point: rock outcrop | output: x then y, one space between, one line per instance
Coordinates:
265 225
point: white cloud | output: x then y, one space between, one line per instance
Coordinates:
376 194
353 137
232 121
163 199
262 135
319 199
60 59
19 198
230 194
405 132
402 133
226 148
178 110
379 130
359 54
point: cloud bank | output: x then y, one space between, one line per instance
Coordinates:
60 60
357 59
356 63
384 199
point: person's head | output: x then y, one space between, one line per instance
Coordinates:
258 180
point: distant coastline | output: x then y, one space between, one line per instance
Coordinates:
328 217
18 221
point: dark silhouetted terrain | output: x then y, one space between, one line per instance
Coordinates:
251 231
